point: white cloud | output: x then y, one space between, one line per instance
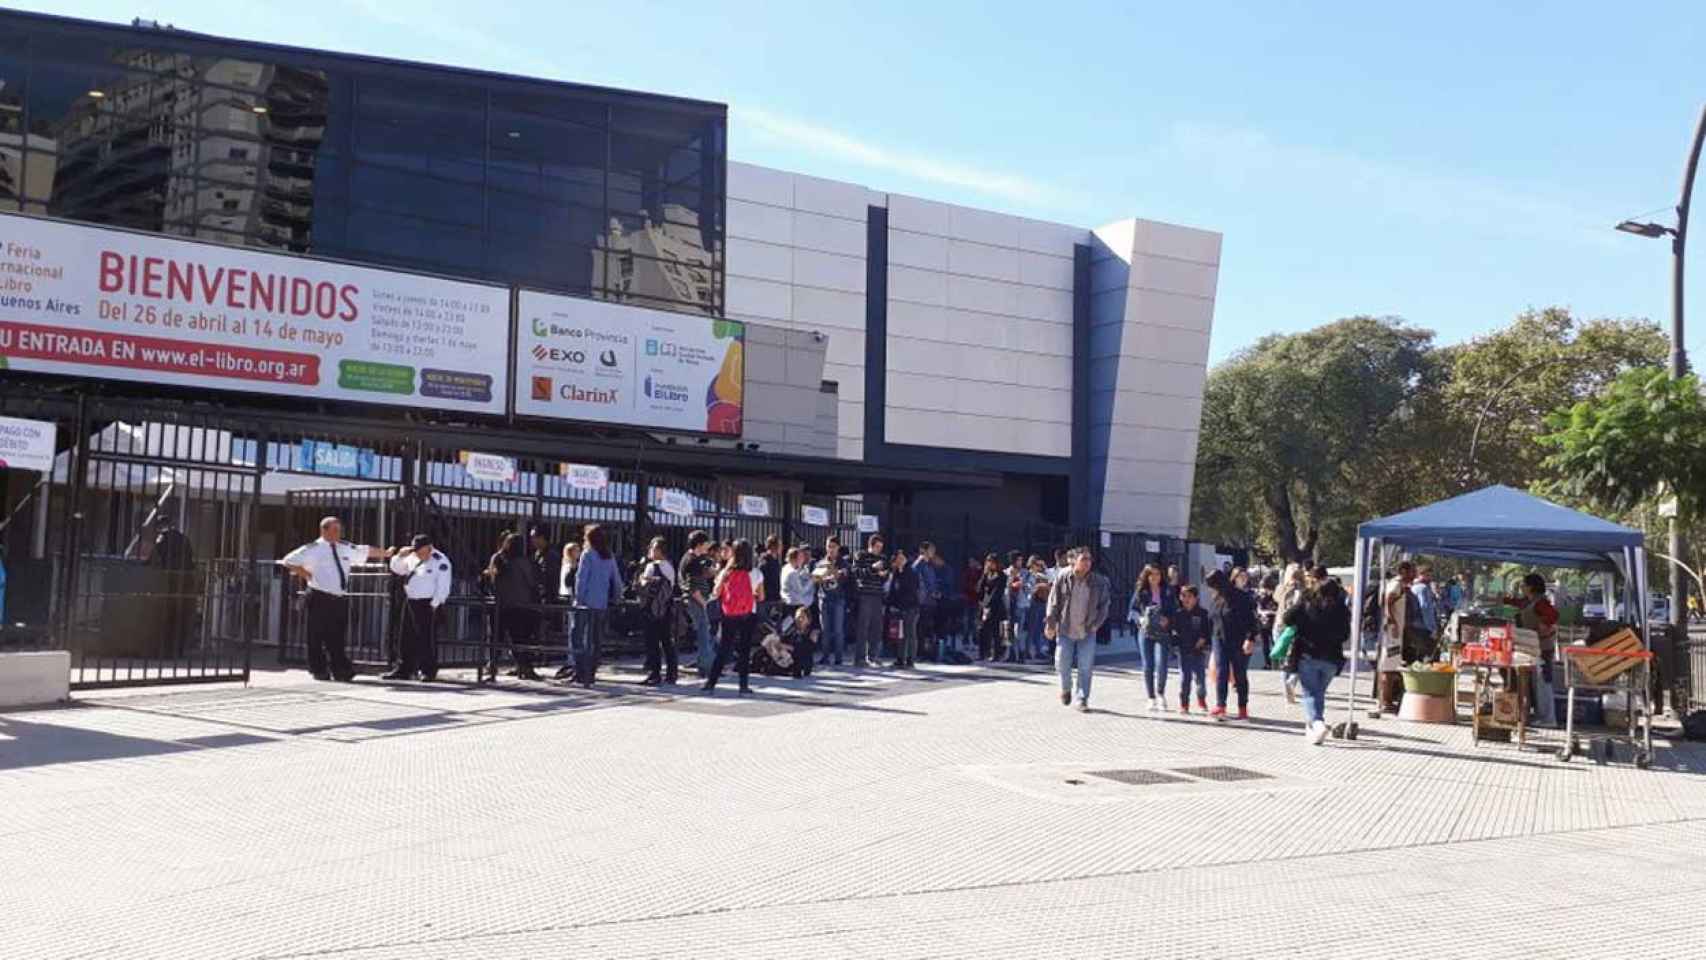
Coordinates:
1365 194
847 148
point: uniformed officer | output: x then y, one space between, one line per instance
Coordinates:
426 585
325 566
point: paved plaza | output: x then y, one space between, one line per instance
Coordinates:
944 812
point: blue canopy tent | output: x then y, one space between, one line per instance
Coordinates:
1504 525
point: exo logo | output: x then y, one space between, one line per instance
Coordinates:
545 354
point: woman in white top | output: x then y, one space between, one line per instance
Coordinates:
799 602
571 565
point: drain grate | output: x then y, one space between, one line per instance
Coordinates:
1138 778
1221 774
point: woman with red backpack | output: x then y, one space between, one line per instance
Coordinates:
739 589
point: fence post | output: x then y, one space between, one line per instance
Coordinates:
788 520
78 468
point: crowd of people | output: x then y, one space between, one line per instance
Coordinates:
787 610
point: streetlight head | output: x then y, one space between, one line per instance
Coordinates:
1653 230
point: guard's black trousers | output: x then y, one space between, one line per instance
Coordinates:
328 625
419 653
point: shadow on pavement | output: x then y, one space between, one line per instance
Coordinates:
26 744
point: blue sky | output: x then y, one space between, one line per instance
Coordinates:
1451 163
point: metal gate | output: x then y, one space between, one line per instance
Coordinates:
159 579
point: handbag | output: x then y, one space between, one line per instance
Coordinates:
1282 645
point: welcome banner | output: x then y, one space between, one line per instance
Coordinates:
99 303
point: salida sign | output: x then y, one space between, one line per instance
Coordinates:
611 363
100 303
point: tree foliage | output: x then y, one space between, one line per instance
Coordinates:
1644 436
1306 435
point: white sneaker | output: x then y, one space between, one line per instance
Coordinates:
1318 732
1154 705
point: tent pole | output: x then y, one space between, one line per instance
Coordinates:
1358 576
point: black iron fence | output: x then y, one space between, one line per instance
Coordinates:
148 551
1688 671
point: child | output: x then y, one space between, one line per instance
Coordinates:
1193 633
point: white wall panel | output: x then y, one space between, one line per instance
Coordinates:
918 286
1042 270
1168 275
751 297
982 260
1172 240
815 231
829 271
761 261
922 250
984 226
920 216
816 307
1158 309
1057 239
756 221
846 200
761 184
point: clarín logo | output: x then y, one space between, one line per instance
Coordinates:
598 395
543 387
667 392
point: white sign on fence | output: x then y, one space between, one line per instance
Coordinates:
814 516
489 467
1107 539
585 476
868 523
110 305
26 444
751 506
1152 546
675 503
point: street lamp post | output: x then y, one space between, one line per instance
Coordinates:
1678 353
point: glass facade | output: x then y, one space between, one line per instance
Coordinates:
578 190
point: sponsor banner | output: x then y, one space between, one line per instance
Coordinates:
89 302
1152 546
814 516
489 467
751 506
337 460
579 359
868 523
585 476
26 444
675 503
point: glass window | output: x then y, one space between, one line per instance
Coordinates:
378 236
422 127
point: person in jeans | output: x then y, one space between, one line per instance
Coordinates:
1040 585
1233 616
655 588
739 590
770 565
970 579
929 594
870 573
1077 608
901 596
991 606
832 578
1322 622
1019 586
696 573
1154 605
1192 634
799 595
598 584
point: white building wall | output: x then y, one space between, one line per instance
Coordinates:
979 329
1151 310
796 260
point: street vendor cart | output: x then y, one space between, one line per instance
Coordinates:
1618 665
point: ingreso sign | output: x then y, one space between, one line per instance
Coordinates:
580 359
91 302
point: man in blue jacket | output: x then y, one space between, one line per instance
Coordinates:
930 594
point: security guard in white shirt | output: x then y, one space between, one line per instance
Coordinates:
325 566
426 585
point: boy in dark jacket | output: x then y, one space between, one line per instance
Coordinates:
901 596
1233 613
1193 631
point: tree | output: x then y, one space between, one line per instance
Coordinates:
1289 421
1642 438
1510 380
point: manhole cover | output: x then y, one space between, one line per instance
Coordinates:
1223 774
1137 778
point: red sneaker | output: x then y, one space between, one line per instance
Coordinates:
1202 704
1243 713
1185 709
1218 713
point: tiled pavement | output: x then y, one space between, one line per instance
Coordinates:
951 812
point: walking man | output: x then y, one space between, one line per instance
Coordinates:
324 565
1077 608
426 585
697 571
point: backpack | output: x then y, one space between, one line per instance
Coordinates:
737 594
1694 726
654 592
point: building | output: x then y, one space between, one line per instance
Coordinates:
940 358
